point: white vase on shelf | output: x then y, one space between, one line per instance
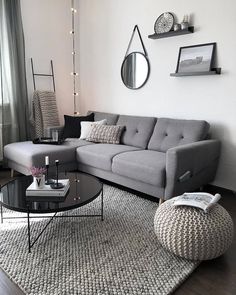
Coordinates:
185 23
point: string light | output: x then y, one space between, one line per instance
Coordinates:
74 73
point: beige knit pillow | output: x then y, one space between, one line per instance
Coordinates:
105 133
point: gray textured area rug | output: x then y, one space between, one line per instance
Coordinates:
86 256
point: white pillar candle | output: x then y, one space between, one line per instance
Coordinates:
47 160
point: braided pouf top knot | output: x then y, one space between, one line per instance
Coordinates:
190 233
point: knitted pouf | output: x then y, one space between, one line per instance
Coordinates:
190 233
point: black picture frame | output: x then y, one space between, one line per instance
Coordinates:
196 58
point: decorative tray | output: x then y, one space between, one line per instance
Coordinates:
47 140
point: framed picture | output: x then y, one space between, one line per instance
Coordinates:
196 58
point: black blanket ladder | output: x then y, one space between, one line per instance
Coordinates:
43 75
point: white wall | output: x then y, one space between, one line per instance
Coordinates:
105 27
105 30
47 24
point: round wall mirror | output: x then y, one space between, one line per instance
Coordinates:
135 70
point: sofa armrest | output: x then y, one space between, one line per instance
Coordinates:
48 130
190 166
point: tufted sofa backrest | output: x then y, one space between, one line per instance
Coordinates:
169 133
138 130
111 118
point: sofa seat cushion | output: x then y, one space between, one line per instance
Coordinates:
146 166
28 154
100 155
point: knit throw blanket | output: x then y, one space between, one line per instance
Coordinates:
45 113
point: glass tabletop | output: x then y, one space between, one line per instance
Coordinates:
83 189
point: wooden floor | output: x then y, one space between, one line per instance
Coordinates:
214 277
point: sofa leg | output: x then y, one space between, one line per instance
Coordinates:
161 200
12 173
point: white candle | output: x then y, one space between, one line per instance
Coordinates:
47 160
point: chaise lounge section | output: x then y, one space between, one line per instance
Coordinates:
161 157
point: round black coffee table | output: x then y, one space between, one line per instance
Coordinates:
83 189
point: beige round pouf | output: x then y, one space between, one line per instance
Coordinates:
190 233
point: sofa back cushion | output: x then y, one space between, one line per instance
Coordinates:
111 118
169 133
137 131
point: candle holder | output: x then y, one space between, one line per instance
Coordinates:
48 180
57 185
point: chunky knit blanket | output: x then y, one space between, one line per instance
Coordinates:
45 113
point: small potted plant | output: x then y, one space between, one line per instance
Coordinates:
38 175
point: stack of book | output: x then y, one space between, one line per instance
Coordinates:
47 191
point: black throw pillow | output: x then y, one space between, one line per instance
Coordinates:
72 126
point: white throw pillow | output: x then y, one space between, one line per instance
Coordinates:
86 127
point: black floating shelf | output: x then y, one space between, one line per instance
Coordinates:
189 30
216 71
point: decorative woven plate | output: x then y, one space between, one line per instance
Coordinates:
164 23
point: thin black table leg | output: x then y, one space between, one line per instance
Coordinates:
29 245
1 213
102 204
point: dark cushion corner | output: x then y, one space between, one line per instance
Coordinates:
72 127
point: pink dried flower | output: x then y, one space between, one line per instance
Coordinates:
37 171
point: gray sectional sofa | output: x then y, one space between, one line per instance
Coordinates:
158 156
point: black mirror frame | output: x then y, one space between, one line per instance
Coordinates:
148 73
144 54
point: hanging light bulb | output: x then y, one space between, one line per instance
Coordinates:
74 73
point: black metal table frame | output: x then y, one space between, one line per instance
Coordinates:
31 244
